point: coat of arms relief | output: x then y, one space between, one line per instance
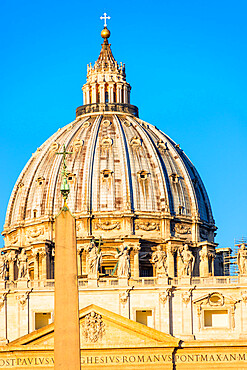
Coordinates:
93 328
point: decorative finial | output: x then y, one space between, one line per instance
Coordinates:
65 190
105 33
105 18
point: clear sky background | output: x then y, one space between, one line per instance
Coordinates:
186 62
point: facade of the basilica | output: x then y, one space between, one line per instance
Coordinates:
149 273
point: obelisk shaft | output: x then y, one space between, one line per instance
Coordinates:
66 322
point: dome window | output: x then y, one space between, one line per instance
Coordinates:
106 174
20 185
162 146
34 213
143 175
77 144
86 124
71 177
106 123
127 123
135 142
40 180
174 177
54 146
106 142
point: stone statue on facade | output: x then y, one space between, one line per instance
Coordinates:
188 261
242 260
159 260
22 264
94 258
123 268
3 266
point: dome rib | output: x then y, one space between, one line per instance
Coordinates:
128 178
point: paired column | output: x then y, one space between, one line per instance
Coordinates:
11 258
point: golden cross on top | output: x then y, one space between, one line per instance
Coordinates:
105 18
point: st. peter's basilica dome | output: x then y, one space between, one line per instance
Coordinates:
125 175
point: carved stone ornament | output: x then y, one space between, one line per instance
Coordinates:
107 225
93 328
136 248
147 226
182 229
79 227
216 300
14 239
22 299
186 297
34 233
123 297
163 296
35 253
43 252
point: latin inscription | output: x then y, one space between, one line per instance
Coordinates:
26 361
30 362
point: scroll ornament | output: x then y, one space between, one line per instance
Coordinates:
147 226
107 225
182 229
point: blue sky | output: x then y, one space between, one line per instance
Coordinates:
186 62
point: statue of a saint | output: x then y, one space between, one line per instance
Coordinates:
22 263
188 261
159 260
123 263
3 267
94 258
242 260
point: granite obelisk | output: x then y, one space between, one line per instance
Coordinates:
66 322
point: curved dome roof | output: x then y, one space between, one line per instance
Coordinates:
119 163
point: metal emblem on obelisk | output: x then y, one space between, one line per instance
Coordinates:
65 190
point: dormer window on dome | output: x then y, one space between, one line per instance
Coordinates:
106 88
